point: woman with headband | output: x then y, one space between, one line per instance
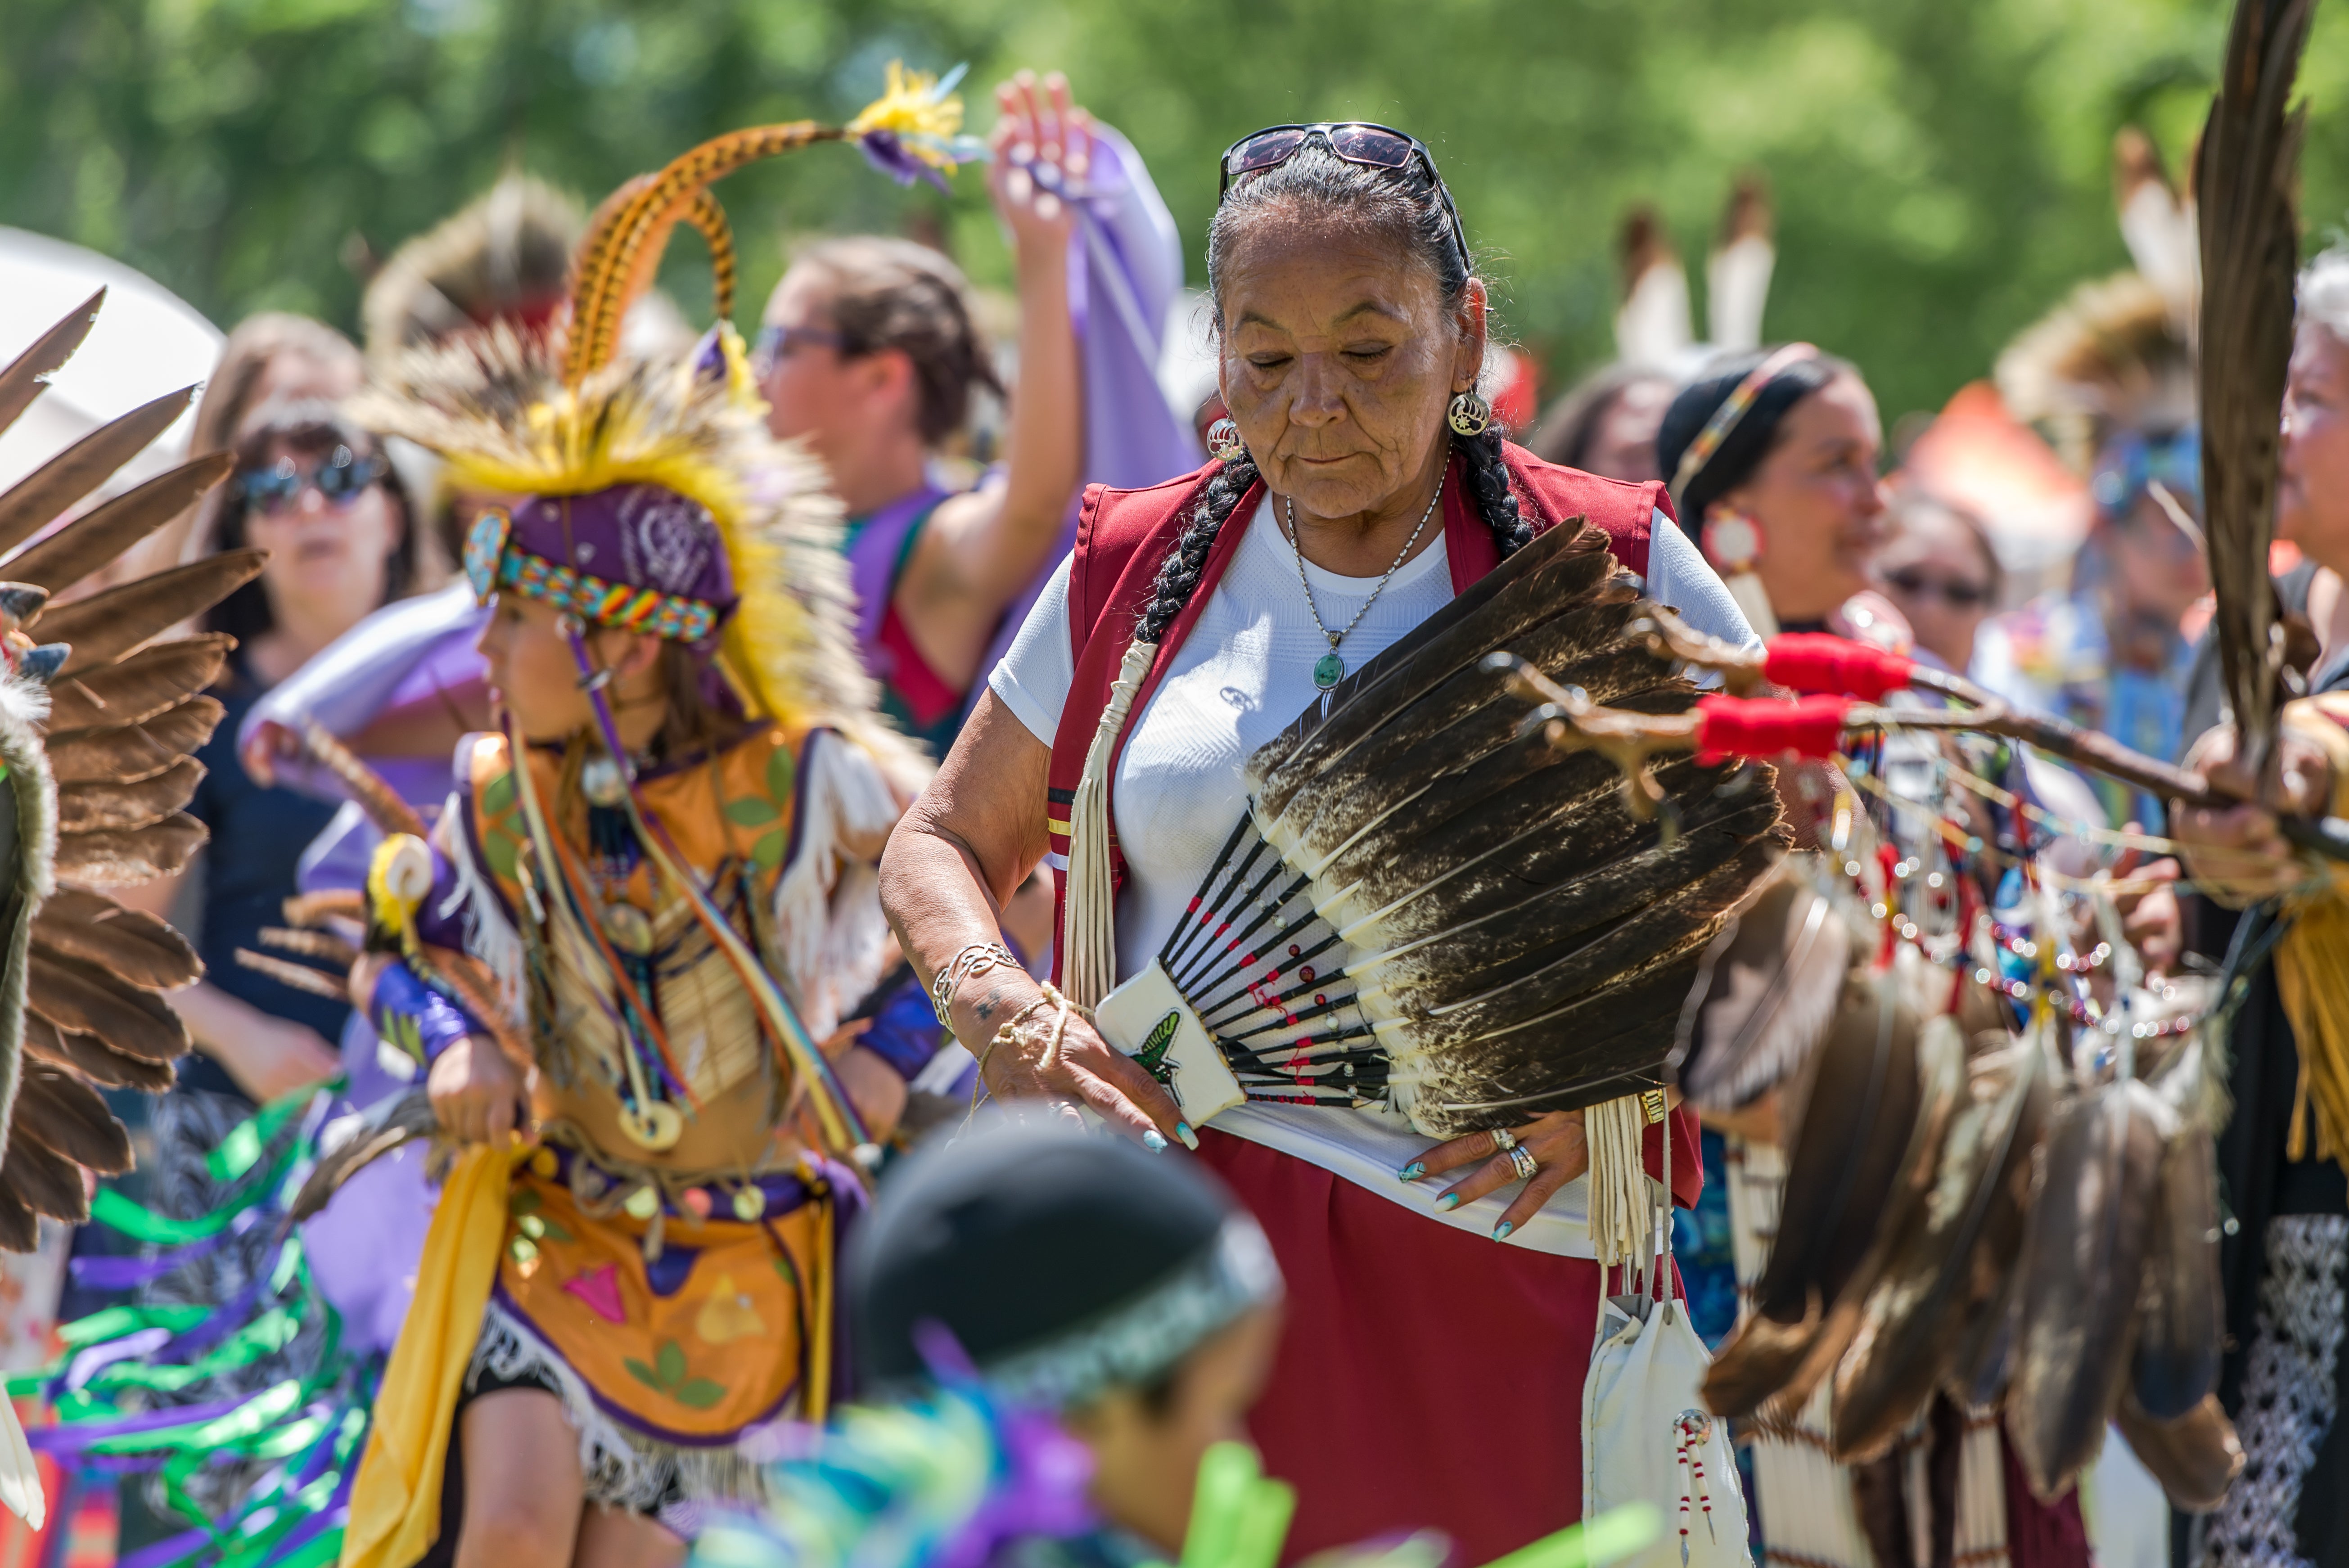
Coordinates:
1772 459
1443 1306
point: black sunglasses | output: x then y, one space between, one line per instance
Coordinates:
339 481
1358 141
1955 594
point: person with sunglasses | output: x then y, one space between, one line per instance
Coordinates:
1941 573
1441 1322
317 492
872 355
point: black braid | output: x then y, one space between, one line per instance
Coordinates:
1488 485
1179 574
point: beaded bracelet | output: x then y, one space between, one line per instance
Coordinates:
975 959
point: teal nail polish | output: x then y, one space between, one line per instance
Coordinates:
1449 1202
1190 1138
1413 1171
1501 1232
1154 1141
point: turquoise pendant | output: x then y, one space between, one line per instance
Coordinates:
1329 670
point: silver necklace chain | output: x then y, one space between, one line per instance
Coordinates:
1290 506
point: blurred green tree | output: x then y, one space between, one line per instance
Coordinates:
1940 171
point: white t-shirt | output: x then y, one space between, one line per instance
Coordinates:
1243 672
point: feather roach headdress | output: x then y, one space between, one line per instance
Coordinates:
656 500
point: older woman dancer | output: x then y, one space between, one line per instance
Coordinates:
1358 492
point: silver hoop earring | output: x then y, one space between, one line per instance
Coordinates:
1223 442
1469 415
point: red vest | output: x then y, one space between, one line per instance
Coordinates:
1124 535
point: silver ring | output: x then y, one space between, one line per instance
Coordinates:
1523 1161
1503 1140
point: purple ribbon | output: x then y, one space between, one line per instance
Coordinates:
79 1434
127 1273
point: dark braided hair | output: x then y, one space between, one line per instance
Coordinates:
1404 202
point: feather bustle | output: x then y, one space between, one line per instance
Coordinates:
157 677
110 624
48 491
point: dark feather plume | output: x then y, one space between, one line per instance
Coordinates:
86 999
2181 1317
1771 982
2196 1458
45 1181
110 858
131 753
2246 175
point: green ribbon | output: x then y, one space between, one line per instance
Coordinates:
240 1151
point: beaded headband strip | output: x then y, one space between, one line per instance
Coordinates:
492 561
1732 408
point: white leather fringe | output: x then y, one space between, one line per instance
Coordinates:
1089 919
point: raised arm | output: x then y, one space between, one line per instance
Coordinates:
958 853
982 550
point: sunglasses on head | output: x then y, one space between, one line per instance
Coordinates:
1914 584
338 480
1358 141
776 344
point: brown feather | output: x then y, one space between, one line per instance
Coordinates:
127 859
2181 1317
129 753
1775 974
107 625
2083 1264
2196 1458
323 945
2245 189
390 814
27 377
93 806
128 943
83 997
65 1117
20 1228
97 538
1915 1317
409 1117
45 495
310 908
299 976
45 1182
1861 1104
149 681
87 1054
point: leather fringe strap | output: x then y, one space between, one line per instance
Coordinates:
1620 1209
1089 930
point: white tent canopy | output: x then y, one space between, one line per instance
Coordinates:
147 341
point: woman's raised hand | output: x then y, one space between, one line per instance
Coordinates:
1554 1144
1043 152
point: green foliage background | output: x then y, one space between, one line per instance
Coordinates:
1940 165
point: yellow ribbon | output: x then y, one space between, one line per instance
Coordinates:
395 1499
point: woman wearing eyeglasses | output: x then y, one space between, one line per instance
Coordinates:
1941 573
318 494
1442 1310
870 354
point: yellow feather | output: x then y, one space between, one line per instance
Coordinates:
910 105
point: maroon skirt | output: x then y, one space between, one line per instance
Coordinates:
1427 1376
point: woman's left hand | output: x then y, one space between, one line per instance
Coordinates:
1043 149
1559 1154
